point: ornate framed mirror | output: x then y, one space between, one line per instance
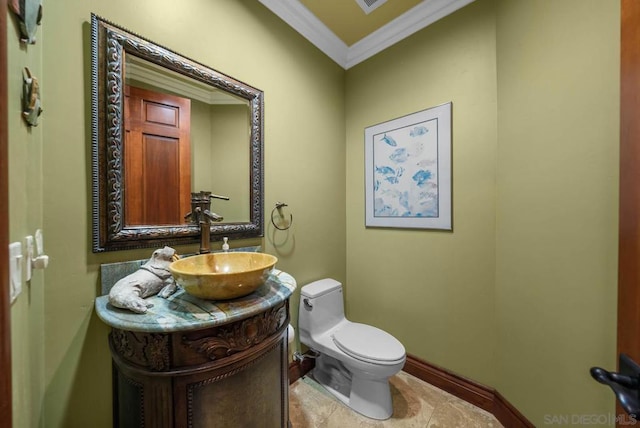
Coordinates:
164 126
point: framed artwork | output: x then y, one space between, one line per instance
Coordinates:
408 171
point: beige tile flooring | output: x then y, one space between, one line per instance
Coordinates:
415 404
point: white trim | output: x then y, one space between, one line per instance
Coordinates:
306 23
303 21
412 21
159 77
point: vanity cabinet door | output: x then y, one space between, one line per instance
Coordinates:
252 392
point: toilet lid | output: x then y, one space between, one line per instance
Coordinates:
368 343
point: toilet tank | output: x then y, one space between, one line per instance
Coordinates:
321 307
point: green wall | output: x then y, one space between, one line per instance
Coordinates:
219 133
557 180
431 289
230 136
25 216
522 295
522 292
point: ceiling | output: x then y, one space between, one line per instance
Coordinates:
344 32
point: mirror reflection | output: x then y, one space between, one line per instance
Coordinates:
182 136
164 126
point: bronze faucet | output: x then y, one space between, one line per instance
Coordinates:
201 214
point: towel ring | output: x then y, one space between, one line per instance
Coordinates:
278 207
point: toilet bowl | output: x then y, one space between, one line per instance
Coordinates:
355 360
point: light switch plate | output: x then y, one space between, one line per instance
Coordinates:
28 268
15 269
39 243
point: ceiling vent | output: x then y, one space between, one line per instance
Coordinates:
370 5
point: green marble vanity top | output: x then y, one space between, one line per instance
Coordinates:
182 312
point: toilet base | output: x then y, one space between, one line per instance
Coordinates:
369 397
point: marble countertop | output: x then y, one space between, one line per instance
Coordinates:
183 312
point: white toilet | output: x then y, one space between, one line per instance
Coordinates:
355 360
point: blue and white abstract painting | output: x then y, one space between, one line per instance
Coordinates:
408 171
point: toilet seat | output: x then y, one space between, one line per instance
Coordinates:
368 343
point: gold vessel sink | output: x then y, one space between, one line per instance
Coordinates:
222 276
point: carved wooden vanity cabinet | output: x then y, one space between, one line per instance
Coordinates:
193 363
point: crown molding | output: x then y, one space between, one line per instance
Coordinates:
308 25
158 77
412 21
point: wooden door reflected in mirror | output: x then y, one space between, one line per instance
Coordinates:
157 158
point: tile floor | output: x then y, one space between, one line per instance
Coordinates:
415 403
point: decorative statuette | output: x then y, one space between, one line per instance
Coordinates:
152 278
30 98
29 14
